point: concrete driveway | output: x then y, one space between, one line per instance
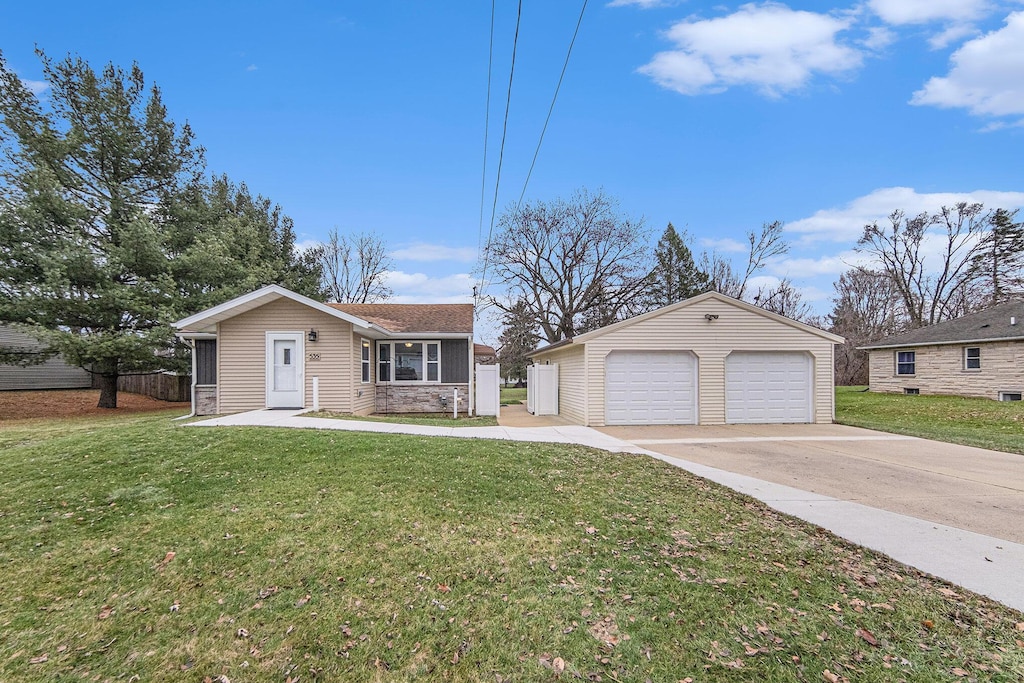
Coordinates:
958 486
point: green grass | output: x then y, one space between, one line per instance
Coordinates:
326 556
969 421
431 420
510 395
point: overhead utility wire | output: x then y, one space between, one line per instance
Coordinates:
553 99
501 149
487 125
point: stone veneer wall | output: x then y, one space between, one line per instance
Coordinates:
206 399
940 370
399 398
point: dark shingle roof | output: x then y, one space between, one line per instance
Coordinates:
444 318
992 324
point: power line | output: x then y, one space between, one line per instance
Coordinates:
553 99
487 125
501 149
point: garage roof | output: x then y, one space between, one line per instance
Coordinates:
713 296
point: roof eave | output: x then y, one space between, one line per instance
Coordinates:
954 342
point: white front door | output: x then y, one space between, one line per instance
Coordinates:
285 370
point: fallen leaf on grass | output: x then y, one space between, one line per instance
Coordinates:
303 600
159 566
40 659
558 665
868 636
833 678
957 671
105 612
928 624
1020 625
443 588
949 593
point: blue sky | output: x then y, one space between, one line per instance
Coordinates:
714 116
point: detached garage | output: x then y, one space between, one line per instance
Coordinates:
708 360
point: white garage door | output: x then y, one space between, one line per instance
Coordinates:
768 386
647 388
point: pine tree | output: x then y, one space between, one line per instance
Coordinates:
518 338
675 276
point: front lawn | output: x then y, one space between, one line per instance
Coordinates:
510 395
954 419
139 550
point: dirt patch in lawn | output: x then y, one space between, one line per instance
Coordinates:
26 405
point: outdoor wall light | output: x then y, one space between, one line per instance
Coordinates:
312 335
710 316
408 345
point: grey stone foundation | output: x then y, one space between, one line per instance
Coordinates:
398 398
206 399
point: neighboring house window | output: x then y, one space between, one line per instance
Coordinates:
972 358
911 392
1009 395
411 361
365 377
906 362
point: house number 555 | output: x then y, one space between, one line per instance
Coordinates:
313 356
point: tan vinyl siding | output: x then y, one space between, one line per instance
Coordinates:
362 394
572 385
241 351
687 329
940 370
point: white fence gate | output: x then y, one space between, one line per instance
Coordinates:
542 389
488 390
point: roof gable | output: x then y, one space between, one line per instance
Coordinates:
414 318
1000 322
206 321
713 296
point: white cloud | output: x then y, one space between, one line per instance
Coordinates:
985 76
879 38
846 223
252 67
900 12
421 251
768 46
415 288
951 35
829 264
36 87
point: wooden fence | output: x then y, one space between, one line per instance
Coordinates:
162 386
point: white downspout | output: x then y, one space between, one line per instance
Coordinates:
471 411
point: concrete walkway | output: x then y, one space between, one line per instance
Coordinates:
983 564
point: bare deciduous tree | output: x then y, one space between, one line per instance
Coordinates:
575 263
354 267
762 247
784 299
929 294
866 307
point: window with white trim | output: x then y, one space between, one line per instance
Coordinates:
1009 395
365 362
906 363
409 361
972 358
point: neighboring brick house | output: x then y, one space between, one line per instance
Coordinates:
981 355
